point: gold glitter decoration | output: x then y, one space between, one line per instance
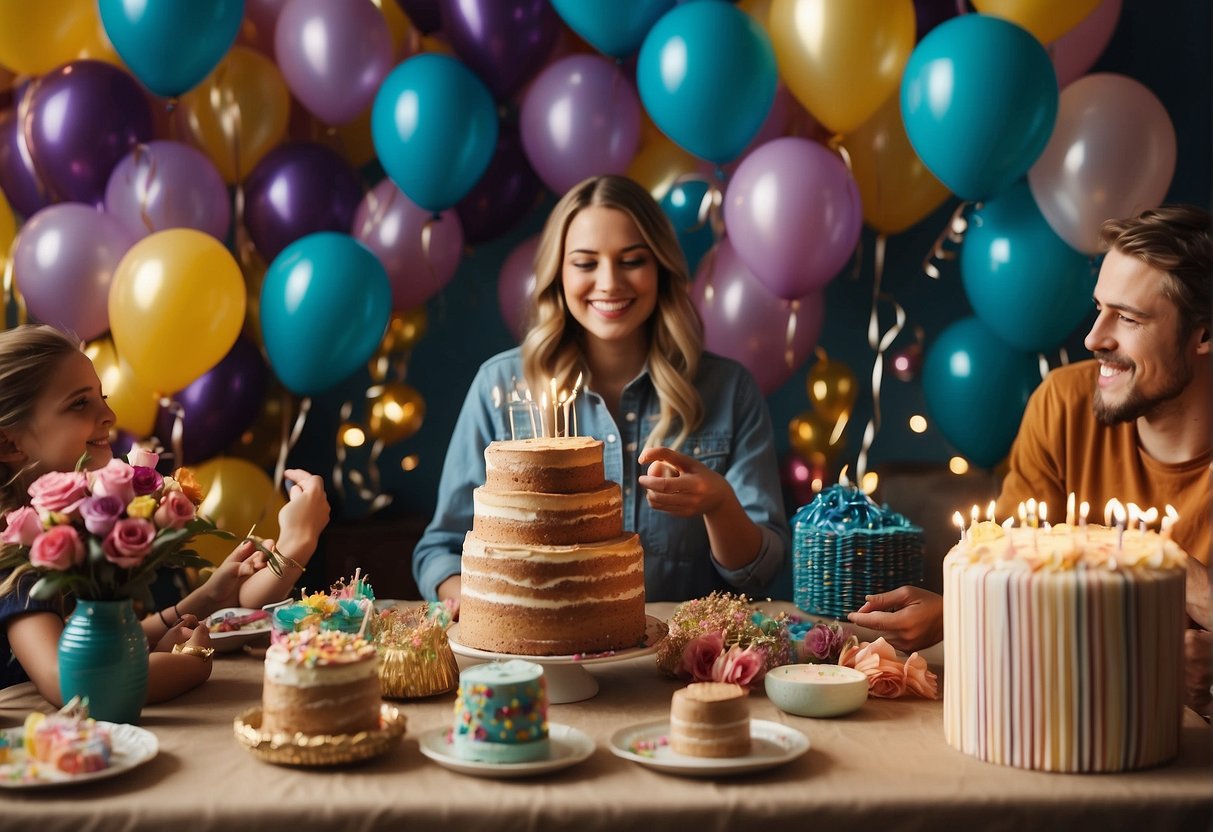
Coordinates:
318 749
415 657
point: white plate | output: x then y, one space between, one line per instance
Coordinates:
654 631
132 746
235 639
771 744
569 747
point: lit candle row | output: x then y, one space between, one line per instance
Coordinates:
563 410
1032 514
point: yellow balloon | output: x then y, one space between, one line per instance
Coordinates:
810 434
238 113
1047 20
895 187
134 404
659 163
832 389
97 44
36 37
395 414
841 60
404 330
8 228
176 305
237 495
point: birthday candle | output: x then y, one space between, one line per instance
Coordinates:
1171 516
1022 512
1146 518
543 409
530 410
1032 512
552 384
564 405
1044 514
990 511
973 517
959 520
1070 509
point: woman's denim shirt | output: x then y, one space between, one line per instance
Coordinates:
735 440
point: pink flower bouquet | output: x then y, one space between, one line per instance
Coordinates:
721 638
102 534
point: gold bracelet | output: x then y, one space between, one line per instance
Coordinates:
203 653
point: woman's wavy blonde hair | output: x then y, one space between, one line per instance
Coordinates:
554 347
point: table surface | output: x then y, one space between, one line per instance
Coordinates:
883 767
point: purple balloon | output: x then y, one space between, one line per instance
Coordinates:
299 188
423 14
393 227
165 184
771 337
580 118
219 405
793 214
516 286
333 55
18 178
63 263
83 118
506 193
504 42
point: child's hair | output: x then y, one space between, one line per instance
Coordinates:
553 347
28 354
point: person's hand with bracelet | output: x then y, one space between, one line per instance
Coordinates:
198 645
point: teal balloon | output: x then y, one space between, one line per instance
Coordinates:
707 78
1024 282
682 204
613 27
325 305
979 101
434 127
976 389
171 45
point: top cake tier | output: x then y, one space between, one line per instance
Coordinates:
1064 547
562 465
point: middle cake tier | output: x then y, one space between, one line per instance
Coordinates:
529 517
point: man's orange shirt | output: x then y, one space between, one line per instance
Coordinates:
1061 448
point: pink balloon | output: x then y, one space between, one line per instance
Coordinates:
166 184
580 117
63 263
793 214
770 336
1075 52
1112 154
516 286
333 54
393 227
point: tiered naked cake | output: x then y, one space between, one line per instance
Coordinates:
1064 647
547 568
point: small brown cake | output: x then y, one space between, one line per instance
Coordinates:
321 682
710 719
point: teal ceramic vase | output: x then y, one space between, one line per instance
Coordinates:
103 656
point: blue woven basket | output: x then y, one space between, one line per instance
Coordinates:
845 546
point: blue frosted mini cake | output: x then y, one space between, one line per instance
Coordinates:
501 713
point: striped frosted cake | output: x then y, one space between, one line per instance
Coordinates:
547 568
1063 647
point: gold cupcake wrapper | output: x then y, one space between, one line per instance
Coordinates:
318 749
403 674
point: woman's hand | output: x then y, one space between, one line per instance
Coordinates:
304 516
681 485
909 617
222 588
179 633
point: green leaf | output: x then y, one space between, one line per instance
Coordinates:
96 555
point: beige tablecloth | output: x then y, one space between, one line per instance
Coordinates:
885 767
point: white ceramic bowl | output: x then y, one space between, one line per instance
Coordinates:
817 690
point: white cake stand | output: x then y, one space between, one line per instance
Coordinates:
568 679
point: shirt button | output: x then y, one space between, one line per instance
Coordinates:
631 446
630 416
611 437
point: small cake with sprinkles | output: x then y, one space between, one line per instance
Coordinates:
501 713
69 740
321 682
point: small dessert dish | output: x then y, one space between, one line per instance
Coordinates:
415 657
69 740
710 719
816 690
501 713
233 627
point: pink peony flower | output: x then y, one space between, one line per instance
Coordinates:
129 542
58 491
740 667
100 514
115 480
174 512
146 480
23 527
700 654
57 548
919 679
142 458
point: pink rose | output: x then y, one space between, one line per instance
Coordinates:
114 480
23 527
740 667
142 458
878 661
100 514
58 491
919 679
699 655
129 542
145 480
174 512
57 548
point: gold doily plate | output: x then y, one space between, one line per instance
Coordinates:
318 749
